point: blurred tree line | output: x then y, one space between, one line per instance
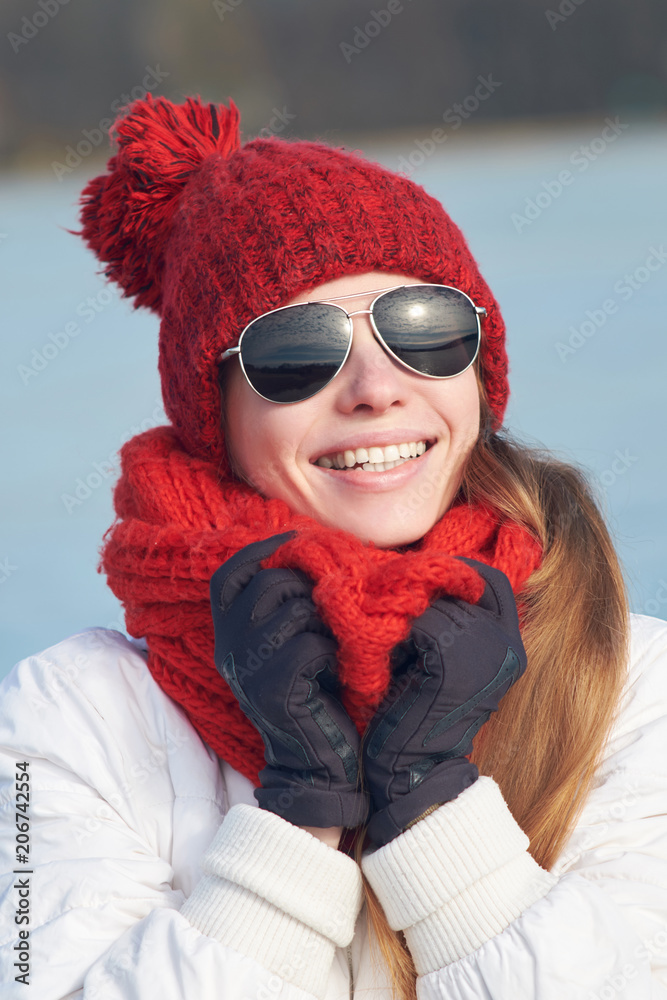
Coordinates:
319 68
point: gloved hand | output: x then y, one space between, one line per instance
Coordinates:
459 661
279 659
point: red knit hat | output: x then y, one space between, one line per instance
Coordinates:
210 234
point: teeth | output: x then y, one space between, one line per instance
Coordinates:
373 459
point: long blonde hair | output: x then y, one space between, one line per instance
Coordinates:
544 743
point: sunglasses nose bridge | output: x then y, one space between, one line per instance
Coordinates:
359 312
373 330
374 361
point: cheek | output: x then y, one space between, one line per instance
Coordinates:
470 420
458 403
461 412
259 437
240 416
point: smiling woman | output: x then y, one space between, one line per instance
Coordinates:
336 456
375 726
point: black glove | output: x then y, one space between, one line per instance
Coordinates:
458 662
279 659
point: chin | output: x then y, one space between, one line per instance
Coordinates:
390 532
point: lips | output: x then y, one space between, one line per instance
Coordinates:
375 458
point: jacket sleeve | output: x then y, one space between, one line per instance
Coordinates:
108 917
482 919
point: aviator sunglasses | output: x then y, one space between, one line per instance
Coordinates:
291 353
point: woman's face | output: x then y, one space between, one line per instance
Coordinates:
285 450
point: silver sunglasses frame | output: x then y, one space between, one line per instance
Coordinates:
233 351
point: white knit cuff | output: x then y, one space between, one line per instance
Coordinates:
278 895
457 878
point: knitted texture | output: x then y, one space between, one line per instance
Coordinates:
177 522
210 234
450 890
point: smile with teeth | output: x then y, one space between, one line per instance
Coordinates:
373 459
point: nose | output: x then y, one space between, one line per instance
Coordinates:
370 380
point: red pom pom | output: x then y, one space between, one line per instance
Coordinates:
127 213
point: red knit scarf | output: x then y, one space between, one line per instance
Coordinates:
177 522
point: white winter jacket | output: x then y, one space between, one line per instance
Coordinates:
136 888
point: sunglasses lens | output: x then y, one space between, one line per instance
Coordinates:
290 354
431 328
